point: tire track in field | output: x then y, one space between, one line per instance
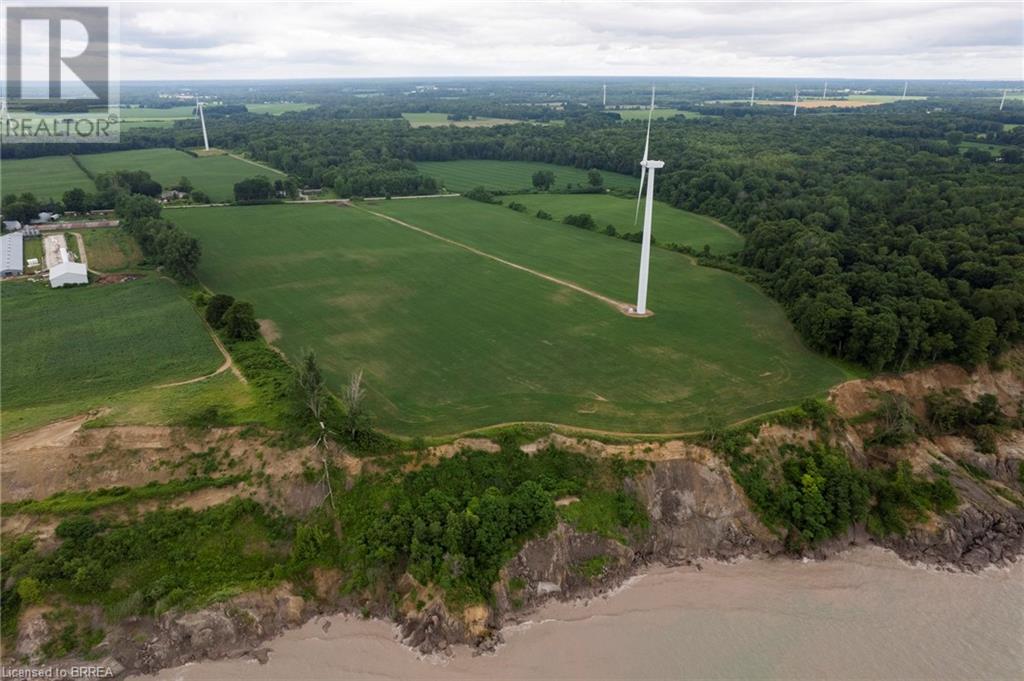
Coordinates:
621 307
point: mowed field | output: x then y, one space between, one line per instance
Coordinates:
66 351
48 177
670 225
451 340
215 175
433 120
461 176
642 114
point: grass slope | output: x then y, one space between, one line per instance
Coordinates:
451 341
670 225
69 350
47 177
511 176
216 175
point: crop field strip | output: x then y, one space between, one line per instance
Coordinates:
512 176
671 225
450 340
100 341
48 177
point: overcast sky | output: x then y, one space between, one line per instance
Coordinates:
975 40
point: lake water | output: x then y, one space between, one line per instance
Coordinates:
865 615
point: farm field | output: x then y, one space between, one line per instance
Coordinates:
461 176
46 176
432 119
641 114
671 225
109 250
450 340
110 340
215 175
278 108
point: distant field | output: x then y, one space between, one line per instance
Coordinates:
109 250
420 120
278 108
461 176
641 114
153 114
809 101
216 175
66 351
670 225
46 176
450 340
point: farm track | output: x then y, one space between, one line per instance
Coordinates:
621 307
254 163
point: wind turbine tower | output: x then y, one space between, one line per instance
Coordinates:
645 249
604 95
1002 101
905 84
202 120
752 95
796 100
824 91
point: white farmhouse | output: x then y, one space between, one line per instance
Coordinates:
67 271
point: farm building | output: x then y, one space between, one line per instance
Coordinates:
12 255
67 271
12 225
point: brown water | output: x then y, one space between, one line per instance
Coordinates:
866 615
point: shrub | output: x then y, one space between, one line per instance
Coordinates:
544 215
517 207
581 220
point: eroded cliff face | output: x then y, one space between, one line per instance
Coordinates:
696 511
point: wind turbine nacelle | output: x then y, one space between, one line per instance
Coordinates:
652 164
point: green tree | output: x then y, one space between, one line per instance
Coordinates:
215 309
240 322
543 179
75 200
594 178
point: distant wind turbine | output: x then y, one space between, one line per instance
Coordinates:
645 248
824 91
1003 100
604 95
905 85
796 100
752 95
202 120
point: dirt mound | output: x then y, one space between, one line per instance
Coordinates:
116 278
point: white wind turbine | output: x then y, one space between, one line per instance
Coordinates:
906 83
1003 100
824 91
752 95
645 248
796 99
202 120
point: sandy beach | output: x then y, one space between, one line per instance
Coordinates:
865 615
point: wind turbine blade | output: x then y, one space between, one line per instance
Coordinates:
640 192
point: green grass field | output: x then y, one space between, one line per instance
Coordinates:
461 176
278 108
433 119
47 177
110 250
66 351
216 175
670 225
450 340
641 114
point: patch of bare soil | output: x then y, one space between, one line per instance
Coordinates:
116 278
854 398
269 330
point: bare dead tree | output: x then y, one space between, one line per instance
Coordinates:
314 395
354 397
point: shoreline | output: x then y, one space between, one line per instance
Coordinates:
805 594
